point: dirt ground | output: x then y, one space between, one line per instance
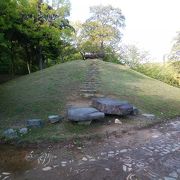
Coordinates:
145 154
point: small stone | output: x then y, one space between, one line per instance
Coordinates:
55 166
10 134
63 163
79 148
107 169
173 174
155 136
149 116
123 150
55 118
90 157
23 130
47 168
84 159
129 165
135 111
111 152
124 168
169 178
117 121
111 155
92 160
6 173
35 123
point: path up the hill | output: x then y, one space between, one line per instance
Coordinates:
89 87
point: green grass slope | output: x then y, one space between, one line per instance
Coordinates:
39 94
45 92
148 94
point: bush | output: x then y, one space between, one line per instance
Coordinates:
165 73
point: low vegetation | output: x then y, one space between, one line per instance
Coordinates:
46 92
149 95
167 73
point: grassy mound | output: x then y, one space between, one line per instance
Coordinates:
148 94
39 94
44 93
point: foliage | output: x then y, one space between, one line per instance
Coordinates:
175 51
33 33
101 31
132 56
165 73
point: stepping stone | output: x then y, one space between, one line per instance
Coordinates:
84 114
23 131
117 121
10 134
112 106
35 123
149 116
55 118
88 95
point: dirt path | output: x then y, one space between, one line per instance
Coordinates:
145 154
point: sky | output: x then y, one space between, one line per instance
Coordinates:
150 24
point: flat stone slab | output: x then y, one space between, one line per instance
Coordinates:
35 123
112 106
84 114
55 119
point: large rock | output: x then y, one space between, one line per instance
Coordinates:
35 123
84 114
112 106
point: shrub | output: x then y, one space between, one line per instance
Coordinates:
165 73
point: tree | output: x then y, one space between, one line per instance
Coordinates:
32 32
133 56
102 29
175 51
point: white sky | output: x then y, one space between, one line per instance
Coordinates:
150 24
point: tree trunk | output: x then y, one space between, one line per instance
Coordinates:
102 46
28 62
39 56
28 67
12 59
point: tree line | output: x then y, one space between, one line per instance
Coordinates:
35 34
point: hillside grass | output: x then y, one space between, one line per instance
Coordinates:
168 73
40 94
147 94
46 92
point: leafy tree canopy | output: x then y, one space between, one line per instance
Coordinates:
102 29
